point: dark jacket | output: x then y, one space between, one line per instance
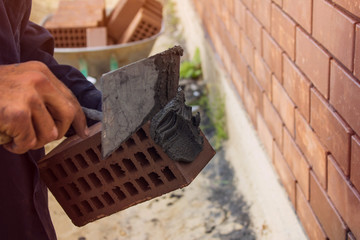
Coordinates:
24 210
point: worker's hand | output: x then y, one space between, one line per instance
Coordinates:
35 107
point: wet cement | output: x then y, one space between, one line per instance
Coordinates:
177 131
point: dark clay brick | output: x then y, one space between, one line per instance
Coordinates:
297 86
331 129
307 217
297 163
334 30
301 11
313 61
324 209
355 162
310 145
345 197
283 30
89 187
345 95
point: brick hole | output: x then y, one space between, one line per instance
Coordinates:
130 142
131 188
154 154
129 165
108 199
95 180
51 175
64 193
117 170
92 155
87 206
81 160
77 210
120 149
155 178
70 164
96 201
61 170
141 158
143 184
168 174
74 189
141 134
84 184
120 194
106 175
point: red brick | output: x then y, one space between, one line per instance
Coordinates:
345 198
355 162
256 91
297 163
301 11
96 37
248 4
262 73
237 80
240 12
272 54
283 30
235 32
297 86
250 106
350 236
264 134
328 216
310 145
345 95
253 30
331 129
313 61
352 6
278 2
307 217
247 49
286 176
335 31
241 65
284 105
262 11
357 53
273 120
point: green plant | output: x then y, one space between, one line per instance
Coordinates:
192 68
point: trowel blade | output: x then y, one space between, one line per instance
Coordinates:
133 94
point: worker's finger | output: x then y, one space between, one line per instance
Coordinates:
45 129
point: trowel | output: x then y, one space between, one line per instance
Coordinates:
132 95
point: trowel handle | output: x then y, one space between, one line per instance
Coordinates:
89 113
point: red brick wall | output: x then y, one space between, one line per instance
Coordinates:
296 65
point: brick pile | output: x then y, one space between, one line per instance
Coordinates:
296 66
83 23
89 187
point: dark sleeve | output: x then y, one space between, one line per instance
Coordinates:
38 44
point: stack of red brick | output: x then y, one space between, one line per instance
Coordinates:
296 65
83 23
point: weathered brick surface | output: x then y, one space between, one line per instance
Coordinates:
297 163
301 11
285 173
297 86
283 30
325 211
355 162
345 198
345 95
307 217
272 54
328 20
313 61
311 147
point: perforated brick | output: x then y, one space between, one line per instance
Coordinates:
89 188
144 25
69 37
